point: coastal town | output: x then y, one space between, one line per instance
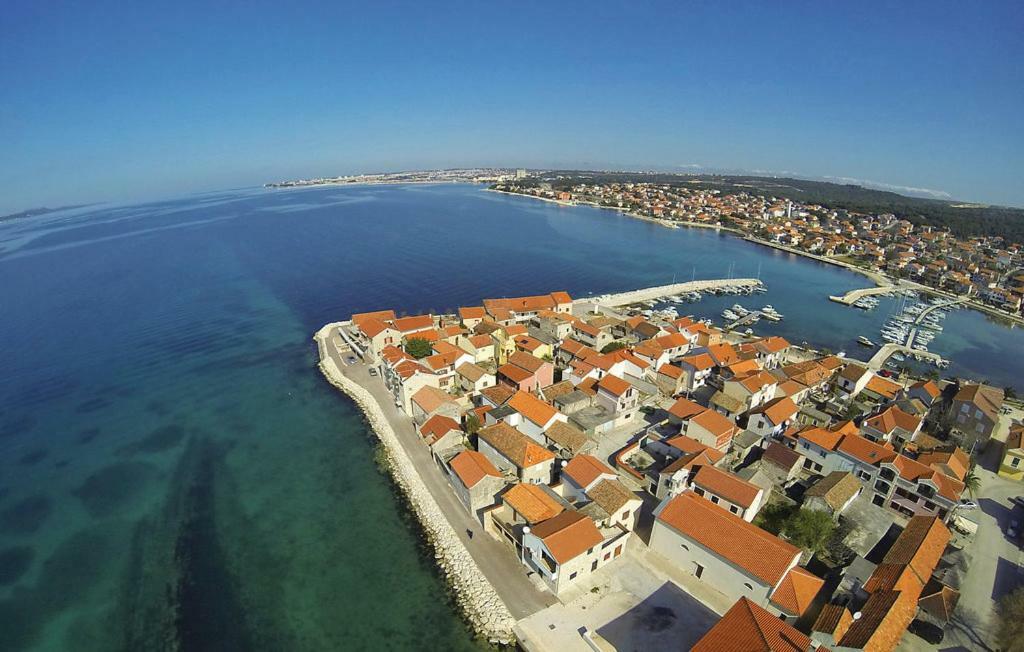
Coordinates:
988 272
595 476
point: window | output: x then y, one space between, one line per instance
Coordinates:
625 515
684 546
572 576
734 509
878 500
1015 462
750 587
714 499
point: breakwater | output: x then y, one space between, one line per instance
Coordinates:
483 608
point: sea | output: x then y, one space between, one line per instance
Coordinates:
175 473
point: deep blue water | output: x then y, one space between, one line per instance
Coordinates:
171 463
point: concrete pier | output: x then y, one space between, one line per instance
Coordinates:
852 296
661 291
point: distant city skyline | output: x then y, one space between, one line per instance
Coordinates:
114 103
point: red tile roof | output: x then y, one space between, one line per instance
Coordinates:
613 384
585 469
742 544
568 535
726 485
532 408
747 627
471 467
797 591
532 502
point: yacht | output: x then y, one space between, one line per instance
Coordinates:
740 310
898 357
865 341
730 315
772 316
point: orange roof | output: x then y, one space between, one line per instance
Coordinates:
471 467
772 344
532 408
748 627
430 398
779 410
892 418
497 394
700 362
481 341
671 371
372 327
744 367
726 485
585 469
472 312
568 535
883 386
531 502
742 544
528 362
528 343
724 354
382 315
613 384
672 340
955 463
416 323
684 408
755 381
438 426
715 423
797 591
514 373
819 436
515 329
514 445
865 450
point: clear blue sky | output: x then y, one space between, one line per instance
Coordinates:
115 101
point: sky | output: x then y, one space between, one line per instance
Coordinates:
104 101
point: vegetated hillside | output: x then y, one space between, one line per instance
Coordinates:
963 220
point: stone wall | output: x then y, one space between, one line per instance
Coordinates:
481 605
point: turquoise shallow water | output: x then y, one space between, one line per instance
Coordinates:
173 468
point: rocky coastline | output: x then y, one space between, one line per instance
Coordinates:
485 611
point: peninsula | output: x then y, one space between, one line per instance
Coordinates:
576 463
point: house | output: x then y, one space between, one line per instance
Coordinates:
508 449
568 440
696 370
852 380
583 472
524 308
771 351
751 628
689 454
533 346
833 493
711 429
732 556
526 372
611 504
773 417
475 480
891 425
531 415
472 316
975 413
617 396
753 389
376 334
1012 464
441 432
893 589
481 347
728 491
781 462
669 379
473 378
925 391
568 548
683 410
891 479
429 401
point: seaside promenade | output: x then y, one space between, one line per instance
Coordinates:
502 571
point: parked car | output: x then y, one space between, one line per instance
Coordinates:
373 371
1018 500
1013 529
968 504
930 633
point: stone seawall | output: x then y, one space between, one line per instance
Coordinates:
481 605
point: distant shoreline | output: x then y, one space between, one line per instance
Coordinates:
880 279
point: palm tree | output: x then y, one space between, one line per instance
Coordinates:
972 482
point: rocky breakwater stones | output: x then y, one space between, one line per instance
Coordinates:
481 605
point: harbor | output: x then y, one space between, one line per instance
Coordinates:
713 286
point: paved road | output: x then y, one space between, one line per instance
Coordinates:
995 563
496 560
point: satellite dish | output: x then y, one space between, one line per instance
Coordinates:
857 615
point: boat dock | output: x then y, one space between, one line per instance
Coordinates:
852 296
883 354
750 317
662 291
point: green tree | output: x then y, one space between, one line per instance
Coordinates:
1010 621
773 517
472 424
810 529
614 346
418 347
972 482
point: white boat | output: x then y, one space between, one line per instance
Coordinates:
740 310
730 315
898 357
865 341
768 308
772 316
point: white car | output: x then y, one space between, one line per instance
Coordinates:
968 504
